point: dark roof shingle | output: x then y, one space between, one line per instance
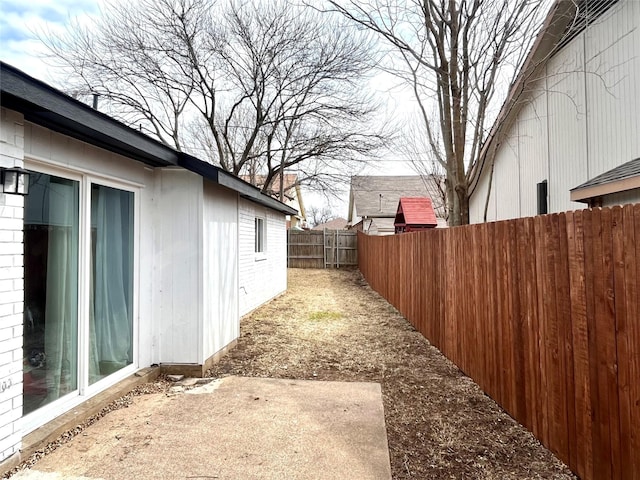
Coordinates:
621 172
378 196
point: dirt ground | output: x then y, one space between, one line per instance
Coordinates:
331 326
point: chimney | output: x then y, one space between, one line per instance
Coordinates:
95 101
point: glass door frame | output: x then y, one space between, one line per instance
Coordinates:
86 179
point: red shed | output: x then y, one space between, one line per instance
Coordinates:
415 213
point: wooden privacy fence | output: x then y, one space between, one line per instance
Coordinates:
321 248
543 313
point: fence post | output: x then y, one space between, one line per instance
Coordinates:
324 246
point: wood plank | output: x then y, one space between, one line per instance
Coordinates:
479 303
499 321
602 441
517 347
632 279
565 344
611 367
492 314
439 293
590 218
526 254
622 343
506 322
582 460
556 382
453 305
542 405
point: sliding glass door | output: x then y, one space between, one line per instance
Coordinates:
50 344
75 336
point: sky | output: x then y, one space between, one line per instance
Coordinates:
21 21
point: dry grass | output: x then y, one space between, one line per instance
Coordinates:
331 326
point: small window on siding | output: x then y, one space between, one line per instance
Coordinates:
260 235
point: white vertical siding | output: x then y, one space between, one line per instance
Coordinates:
220 286
506 181
567 125
533 145
578 122
148 284
179 266
11 289
479 201
262 277
612 47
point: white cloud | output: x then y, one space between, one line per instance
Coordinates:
20 23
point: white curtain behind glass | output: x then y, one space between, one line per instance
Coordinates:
61 331
111 330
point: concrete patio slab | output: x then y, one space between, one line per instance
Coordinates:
234 428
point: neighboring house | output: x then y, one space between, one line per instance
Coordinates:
292 195
335 224
125 253
415 214
571 116
373 200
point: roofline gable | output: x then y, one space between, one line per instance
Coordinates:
548 38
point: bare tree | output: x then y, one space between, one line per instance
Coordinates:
415 148
455 56
255 87
319 215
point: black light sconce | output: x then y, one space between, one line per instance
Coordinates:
15 181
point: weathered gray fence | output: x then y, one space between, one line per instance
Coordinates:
322 249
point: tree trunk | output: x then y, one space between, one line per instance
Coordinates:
458 202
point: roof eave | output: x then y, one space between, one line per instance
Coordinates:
584 194
48 107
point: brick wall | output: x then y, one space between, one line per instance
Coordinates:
11 288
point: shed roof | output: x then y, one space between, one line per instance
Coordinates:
416 211
623 177
46 106
378 196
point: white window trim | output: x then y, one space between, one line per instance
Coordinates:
85 391
261 255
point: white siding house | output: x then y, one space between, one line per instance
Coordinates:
124 254
571 115
263 274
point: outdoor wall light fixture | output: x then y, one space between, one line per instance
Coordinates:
15 181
